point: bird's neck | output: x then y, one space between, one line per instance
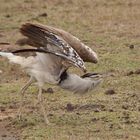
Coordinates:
75 83
63 76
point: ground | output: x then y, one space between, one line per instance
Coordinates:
111 112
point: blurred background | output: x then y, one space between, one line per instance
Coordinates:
112 29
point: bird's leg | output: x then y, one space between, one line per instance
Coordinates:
41 106
22 93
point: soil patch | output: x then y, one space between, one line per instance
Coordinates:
7 132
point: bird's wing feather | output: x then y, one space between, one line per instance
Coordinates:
42 37
41 50
85 52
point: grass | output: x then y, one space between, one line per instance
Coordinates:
112 26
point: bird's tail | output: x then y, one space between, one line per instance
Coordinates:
7 55
15 59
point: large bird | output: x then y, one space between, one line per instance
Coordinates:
56 50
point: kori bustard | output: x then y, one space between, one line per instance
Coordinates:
56 50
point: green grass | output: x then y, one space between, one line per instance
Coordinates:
113 26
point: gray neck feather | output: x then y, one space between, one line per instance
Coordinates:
77 84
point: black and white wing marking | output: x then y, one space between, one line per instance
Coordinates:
41 37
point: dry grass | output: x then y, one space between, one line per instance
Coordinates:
113 26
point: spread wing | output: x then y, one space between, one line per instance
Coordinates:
85 52
41 38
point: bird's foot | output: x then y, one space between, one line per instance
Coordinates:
19 115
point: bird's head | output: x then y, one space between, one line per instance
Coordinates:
96 78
